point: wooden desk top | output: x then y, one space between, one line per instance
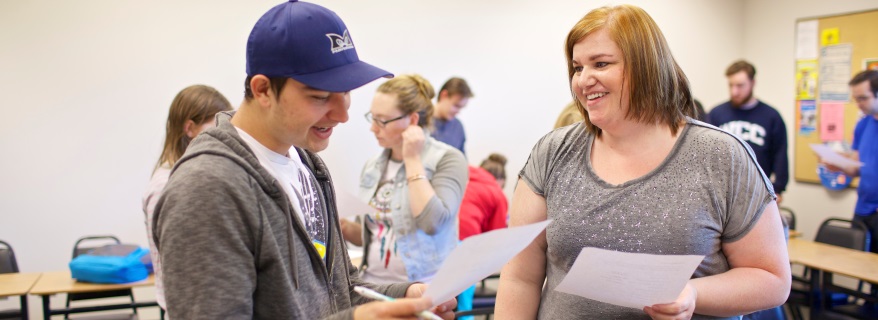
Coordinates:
795 234
852 263
61 282
16 284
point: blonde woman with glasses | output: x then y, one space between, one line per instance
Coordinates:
415 187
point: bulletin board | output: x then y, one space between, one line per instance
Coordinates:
829 52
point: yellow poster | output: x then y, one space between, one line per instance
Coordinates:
806 79
829 37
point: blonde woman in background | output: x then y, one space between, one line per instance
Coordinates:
191 112
415 186
568 116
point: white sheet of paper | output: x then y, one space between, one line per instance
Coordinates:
633 280
478 257
807 40
349 205
827 154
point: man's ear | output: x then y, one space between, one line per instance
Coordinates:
189 129
260 86
442 95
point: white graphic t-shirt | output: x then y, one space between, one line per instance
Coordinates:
384 262
299 186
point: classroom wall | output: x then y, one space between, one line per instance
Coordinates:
769 43
87 86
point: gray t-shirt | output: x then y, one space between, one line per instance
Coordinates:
708 190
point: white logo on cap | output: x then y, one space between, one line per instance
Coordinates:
340 43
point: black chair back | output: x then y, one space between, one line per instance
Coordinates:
789 216
844 233
8 264
79 248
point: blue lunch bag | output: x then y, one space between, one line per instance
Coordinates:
115 263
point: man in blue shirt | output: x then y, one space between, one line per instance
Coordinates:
755 122
864 89
453 97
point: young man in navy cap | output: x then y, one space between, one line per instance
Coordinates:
247 226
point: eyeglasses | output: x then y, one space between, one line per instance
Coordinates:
381 123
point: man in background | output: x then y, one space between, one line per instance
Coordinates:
452 98
247 226
755 122
864 90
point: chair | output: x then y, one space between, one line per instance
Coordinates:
485 297
867 309
838 232
844 233
78 249
8 264
854 235
483 300
789 217
482 289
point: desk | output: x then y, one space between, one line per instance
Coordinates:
831 259
60 282
18 284
835 259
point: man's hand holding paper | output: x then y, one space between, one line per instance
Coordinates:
835 161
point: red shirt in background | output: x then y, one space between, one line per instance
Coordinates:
484 204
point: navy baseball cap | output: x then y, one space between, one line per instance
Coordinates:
310 44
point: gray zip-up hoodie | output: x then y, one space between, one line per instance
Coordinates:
233 248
